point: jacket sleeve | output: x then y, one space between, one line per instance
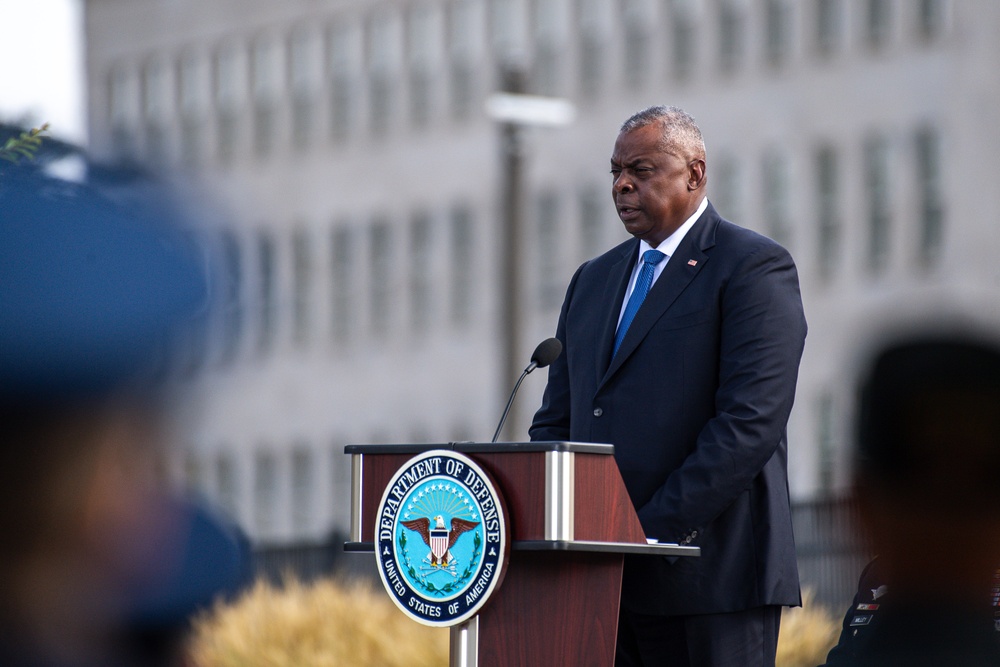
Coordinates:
552 420
762 334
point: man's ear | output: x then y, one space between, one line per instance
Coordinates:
696 174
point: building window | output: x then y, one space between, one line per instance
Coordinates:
638 21
302 285
341 277
777 17
340 482
265 87
266 290
591 223
423 36
265 493
304 73
828 25
593 41
731 29
825 443
777 197
878 23
421 261
381 68
302 489
827 211
232 295
192 343
343 62
549 283
507 30
548 46
464 37
878 204
122 99
227 486
462 265
192 96
928 154
728 198
227 101
155 109
420 96
381 277
227 135
930 18
683 29
380 101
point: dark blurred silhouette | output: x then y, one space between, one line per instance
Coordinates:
926 479
98 565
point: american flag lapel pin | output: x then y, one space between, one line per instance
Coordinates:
692 262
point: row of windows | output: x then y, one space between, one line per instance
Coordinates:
424 273
273 286
276 482
302 489
349 282
312 81
825 182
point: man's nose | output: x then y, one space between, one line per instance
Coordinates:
623 184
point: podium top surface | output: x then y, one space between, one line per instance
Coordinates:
484 448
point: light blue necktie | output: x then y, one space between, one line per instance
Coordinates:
650 259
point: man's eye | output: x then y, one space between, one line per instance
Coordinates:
615 172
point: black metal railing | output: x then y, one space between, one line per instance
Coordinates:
830 551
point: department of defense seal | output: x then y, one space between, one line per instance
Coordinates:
441 538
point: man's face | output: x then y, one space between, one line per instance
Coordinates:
655 189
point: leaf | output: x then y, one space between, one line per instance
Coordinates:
25 145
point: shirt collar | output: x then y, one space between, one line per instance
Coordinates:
669 245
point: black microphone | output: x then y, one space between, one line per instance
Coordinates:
546 352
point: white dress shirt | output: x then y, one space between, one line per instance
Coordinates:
668 247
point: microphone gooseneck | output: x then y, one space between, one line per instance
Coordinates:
546 352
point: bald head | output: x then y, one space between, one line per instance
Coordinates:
680 132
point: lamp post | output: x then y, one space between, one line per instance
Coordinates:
514 111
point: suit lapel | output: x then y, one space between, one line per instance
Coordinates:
614 293
686 262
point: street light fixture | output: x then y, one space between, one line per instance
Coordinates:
515 110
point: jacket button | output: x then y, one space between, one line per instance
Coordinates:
598 412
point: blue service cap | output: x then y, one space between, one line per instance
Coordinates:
90 289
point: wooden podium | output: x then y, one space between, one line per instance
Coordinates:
571 523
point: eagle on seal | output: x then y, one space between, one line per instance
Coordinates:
440 539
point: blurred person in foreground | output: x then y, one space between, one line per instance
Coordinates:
926 480
94 557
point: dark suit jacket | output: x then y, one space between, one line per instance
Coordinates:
695 403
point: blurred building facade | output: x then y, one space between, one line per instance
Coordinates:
348 177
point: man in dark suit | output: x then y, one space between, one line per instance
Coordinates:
693 388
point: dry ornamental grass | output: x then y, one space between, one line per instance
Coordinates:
807 634
326 623
354 624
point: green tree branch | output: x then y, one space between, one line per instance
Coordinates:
23 146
